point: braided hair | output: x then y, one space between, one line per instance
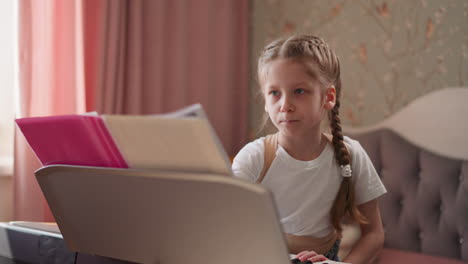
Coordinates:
324 65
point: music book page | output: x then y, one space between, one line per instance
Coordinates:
183 141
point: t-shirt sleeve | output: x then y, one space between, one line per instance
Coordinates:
248 163
368 185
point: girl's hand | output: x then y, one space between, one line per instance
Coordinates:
310 255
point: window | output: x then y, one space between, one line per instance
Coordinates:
8 77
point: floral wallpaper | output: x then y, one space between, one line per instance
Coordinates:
391 51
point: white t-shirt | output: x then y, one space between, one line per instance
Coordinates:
304 191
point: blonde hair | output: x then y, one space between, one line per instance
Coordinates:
324 65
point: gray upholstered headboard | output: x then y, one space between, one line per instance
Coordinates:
422 158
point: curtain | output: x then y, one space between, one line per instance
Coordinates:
129 57
157 56
50 70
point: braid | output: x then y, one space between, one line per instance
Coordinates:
345 199
341 152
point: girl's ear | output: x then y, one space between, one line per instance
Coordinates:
330 98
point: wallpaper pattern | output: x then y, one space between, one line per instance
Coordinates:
391 51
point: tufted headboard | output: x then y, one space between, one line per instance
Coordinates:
421 155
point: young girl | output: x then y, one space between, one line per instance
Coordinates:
317 179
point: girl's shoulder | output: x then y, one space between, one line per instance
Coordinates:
254 148
352 144
358 153
248 163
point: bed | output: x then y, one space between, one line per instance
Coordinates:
421 155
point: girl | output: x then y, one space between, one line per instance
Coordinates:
317 179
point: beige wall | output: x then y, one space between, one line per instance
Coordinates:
391 51
6 198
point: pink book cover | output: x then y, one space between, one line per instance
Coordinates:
72 140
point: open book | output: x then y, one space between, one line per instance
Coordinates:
183 140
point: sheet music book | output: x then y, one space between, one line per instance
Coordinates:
183 140
71 139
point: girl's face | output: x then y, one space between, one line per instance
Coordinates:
294 100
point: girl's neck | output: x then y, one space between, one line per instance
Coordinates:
303 148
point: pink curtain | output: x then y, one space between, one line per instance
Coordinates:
129 57
50 70
157 56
